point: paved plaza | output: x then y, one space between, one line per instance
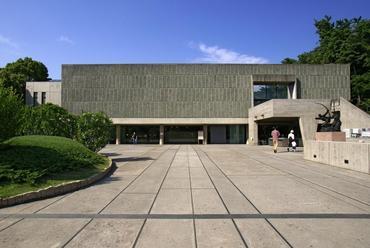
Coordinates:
201 196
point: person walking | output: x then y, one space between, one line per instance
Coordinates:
275 139
134 138
291 139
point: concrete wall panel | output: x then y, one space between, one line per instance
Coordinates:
218 90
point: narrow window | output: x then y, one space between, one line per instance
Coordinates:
43 97
35 101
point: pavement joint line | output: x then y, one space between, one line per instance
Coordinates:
271 225
194 216
222 200
155 198
192 200
47 205
84 226
307 180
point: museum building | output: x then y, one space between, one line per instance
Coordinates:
201 103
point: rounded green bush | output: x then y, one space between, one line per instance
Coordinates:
94 130
48 119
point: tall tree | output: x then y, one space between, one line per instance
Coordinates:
344 41
16 74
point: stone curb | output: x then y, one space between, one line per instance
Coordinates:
55 190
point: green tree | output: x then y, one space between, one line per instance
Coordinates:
48 119
16 74
344 41
11 108
94 130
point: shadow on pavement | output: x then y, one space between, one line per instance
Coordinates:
132 159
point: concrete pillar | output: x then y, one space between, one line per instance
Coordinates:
205 134
253 133
118 134
161 134
294 95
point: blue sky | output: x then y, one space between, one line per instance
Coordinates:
59 32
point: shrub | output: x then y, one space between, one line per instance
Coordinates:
94 130
31 158
48 119
11 108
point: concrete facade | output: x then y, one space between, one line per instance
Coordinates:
52 90
190 90
303 109
353 117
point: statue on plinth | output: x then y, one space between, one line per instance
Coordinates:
331 121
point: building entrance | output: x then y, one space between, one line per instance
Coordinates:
181 134
283 125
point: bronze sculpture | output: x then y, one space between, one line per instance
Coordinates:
331 121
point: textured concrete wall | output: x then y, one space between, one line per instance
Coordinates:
353 117
357 155
304 109
52 88
186 90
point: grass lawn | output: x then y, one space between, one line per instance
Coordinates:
29 163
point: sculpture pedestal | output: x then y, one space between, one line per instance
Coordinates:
330 136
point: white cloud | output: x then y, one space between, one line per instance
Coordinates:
8 42
65 39
215 54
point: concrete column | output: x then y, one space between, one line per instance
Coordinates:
253 133
205 134
118 134
161 134
294 95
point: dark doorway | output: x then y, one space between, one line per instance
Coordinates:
181 134
226 134
145 134
284 125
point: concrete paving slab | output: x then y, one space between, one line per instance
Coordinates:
107 233
40 232
217 233
130 204
167 233
325 232
173 201
234 200
6 222
198 172
176 183
207 201
283 194
30 207
89 200
178 172
131 169
249 170
259 234
201 183
145 184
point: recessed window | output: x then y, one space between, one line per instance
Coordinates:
264 92
35 100
43 97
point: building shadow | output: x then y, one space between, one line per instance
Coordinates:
132 159
110 154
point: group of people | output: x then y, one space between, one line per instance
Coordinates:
275 134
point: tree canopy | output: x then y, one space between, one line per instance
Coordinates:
16 74
344 41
